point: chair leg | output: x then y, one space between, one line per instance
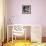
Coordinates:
2 44
25 36
15 38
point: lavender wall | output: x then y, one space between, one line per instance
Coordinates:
37 16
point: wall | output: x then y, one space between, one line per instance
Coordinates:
37 16
1 20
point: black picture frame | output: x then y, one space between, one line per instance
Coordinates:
26 9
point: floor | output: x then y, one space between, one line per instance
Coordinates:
23 43
18 43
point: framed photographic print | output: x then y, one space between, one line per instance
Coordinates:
26 9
